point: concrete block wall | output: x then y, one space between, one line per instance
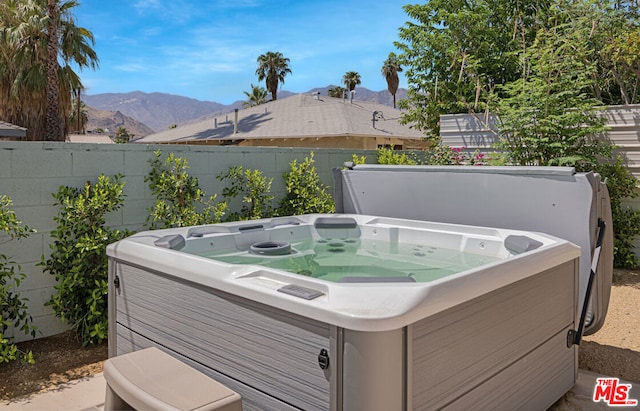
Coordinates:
30 172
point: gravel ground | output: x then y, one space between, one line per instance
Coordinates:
615 349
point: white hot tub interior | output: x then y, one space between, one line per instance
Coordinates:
340 250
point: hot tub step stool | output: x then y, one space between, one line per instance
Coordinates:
149 379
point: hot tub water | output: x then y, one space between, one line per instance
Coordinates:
342 259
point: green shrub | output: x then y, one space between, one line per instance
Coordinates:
355 159
179 200
13 308
78 259
389 156
437 154
626 227
305 192
122 136
255 190
626 220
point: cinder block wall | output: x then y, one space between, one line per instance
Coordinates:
30 172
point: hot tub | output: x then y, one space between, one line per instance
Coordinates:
354 312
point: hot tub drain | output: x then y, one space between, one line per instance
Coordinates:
271 248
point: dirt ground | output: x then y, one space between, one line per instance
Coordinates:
60 358
614 350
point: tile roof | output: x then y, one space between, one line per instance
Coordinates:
10 130
299 116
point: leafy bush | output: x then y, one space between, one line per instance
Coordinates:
13 308
179 200
438 154
389 156
305 192
626 220
122 136
355 159
78 259
548 114
626 226
444 155
255 189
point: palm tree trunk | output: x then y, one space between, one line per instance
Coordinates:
272 85
52 126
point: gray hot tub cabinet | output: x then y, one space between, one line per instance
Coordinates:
504 350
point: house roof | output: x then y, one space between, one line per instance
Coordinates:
11 130
297 116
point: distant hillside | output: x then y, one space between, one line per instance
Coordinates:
159 110
156 110
109 121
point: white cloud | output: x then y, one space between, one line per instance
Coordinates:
237 4
147 4
132 67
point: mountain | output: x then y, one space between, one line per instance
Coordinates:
156 110
160 110
109 121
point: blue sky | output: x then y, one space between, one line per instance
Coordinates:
207 49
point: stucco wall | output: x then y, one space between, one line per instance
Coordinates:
31 171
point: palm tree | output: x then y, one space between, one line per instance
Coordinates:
257 96
390 69
122 136
27 96
336 91
53 130
351 79
273 67
78 118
